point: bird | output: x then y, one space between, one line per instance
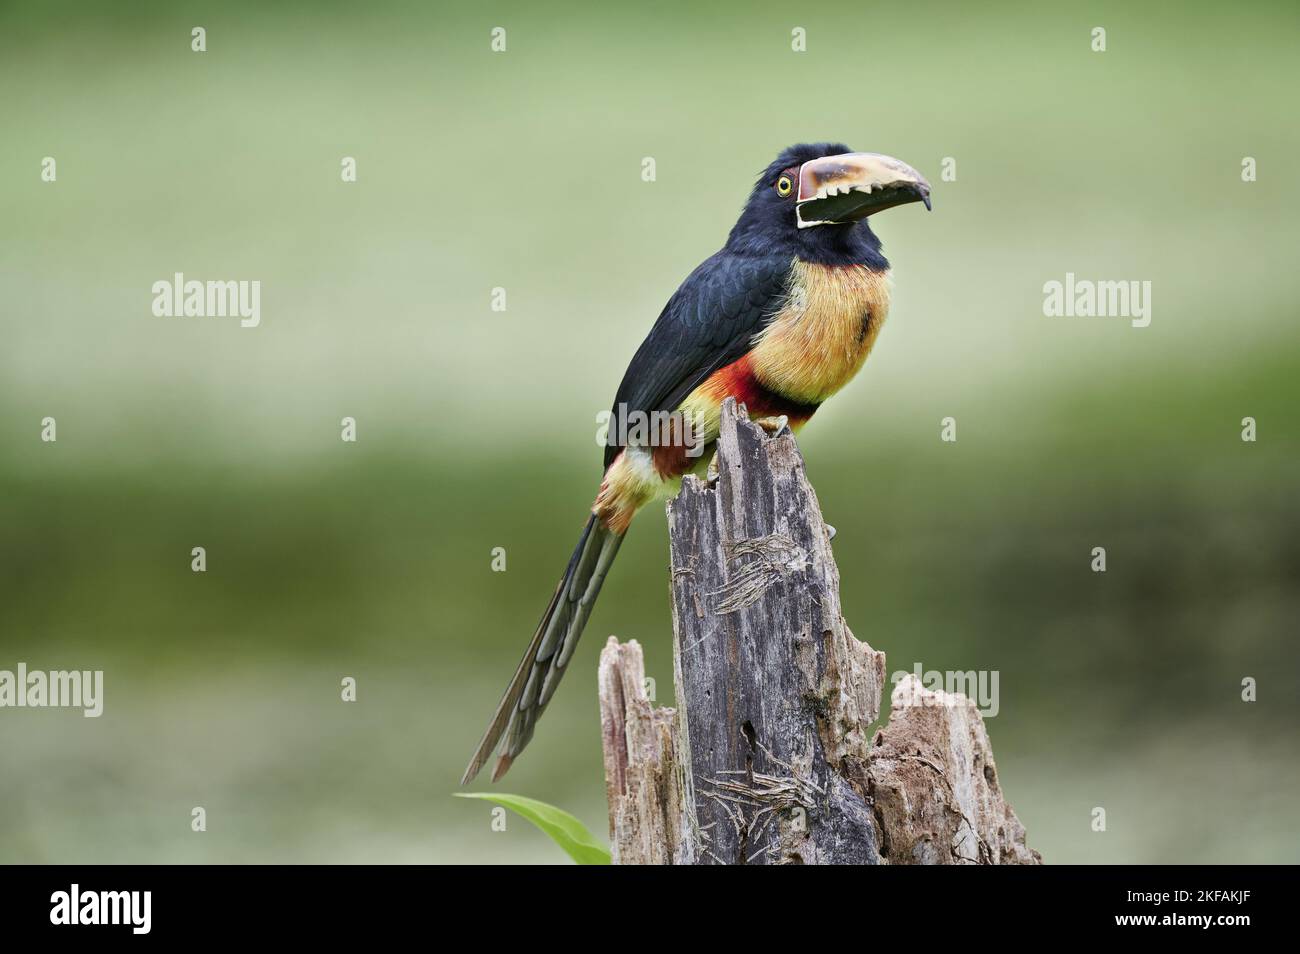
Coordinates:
780 318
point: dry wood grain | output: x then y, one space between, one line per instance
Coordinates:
767 758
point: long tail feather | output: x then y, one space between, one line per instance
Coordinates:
549 651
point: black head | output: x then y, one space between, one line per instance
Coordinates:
814 199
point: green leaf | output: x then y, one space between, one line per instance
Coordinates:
565 830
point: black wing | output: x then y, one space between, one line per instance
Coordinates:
707 324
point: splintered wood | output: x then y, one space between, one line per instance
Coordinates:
768 758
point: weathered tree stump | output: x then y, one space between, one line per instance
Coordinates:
767 759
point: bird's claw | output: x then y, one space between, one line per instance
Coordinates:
774 426
830 532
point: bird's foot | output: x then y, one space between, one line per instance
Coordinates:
830 532
774 426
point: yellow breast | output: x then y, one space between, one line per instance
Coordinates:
823 332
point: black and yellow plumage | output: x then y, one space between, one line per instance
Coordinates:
780 318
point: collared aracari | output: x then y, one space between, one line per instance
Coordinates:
780 319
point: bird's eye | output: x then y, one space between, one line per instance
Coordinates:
783 186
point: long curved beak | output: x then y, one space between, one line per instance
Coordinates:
851 186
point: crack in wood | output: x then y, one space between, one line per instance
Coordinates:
767 758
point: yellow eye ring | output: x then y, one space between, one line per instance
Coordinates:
783 186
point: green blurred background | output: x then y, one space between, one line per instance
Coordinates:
476 428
